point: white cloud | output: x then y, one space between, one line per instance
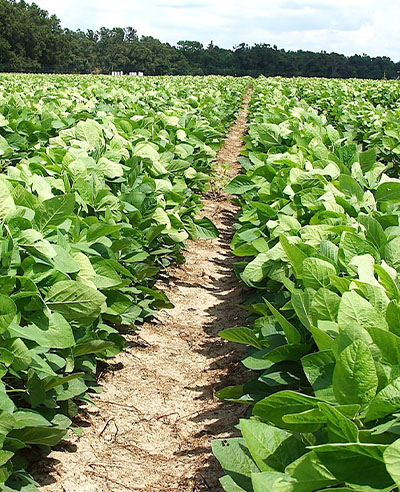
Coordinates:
345 26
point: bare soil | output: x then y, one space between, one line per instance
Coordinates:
154 422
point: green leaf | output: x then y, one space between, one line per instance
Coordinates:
354 245
91 347
29 418
341 429
354 377
301 302
89 131
22 356
350 187
264 482
355 464
317 272
375 233
388 192
271 448
388 344
239 185
386 402
235 459
318 368
8 310
75 301
241 335
96 231
393 317
391 253
355 312
275 407
7 205
310 473
291 332
367 159
325 305
55 211
256 270
206 228
391 456
46 436
295 255
34 243
229 485
51 331
146 150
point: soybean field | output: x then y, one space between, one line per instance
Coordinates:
198 265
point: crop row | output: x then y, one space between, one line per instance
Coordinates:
364 111
100 190
318 241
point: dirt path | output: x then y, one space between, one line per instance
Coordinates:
158 414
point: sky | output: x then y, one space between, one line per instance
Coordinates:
343 26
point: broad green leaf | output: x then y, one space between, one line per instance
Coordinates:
386 402
367 159
391 456
239 185
354 245
302 302
341 429
8 310
235 459
100 229
295 255
206 228
35 244
392 291
354 377
29 418
7 205
375 233
146 150
350 187
256 270
229 485
271 448
75 301
92 347
325 305
291 332
241 335
275 407
318 368
55 211
391 253
310 473
22 358
356 312
317 272
355 464
47 436
388 192
89 131
264 482
51 331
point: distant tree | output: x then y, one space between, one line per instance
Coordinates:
32 40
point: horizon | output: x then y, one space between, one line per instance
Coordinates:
348 28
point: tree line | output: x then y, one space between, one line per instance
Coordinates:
32 40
